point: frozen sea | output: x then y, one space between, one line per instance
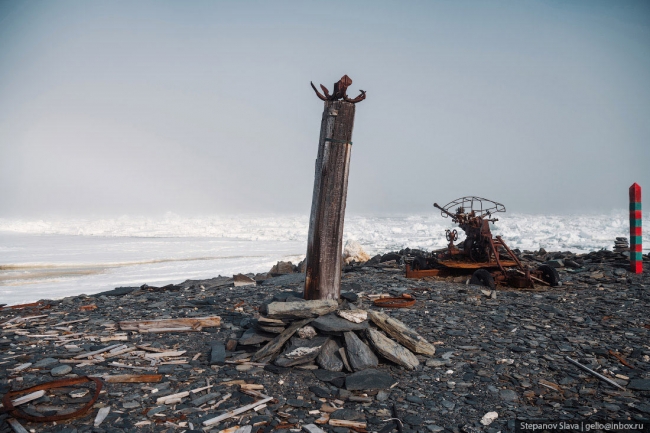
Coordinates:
53 258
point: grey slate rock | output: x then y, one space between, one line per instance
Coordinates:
347 414
118 291
350 296
508 395
156 410
360 356
282 296
269 329
253 336
414 399
382 395
166 369
276 369
217 353
61 370
328 376
329 357
298 403
369 379
413 420
45 362
284 280
639 384
334 323
205 398
309 348
320 392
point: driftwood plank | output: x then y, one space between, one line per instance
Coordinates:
27 398
274 346
97 352
392 351
132 378
183 322
346 423
300 310
16 426
403 334
236 411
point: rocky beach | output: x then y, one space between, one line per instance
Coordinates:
195 356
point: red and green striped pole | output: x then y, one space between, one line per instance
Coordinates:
636 258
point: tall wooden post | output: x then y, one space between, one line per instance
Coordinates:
636 242
325 242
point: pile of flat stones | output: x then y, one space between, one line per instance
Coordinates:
496 359
332 336
621 245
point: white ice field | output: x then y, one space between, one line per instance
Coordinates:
53 258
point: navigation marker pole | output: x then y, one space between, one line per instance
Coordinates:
636 241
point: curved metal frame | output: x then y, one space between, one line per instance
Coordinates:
468 203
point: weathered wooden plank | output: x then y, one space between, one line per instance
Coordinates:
192 322
97 352
325 241
346 423
16 426
133 378
403 334
300 310
26 398
235 412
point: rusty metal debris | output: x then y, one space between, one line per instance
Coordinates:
18 413
620 358
492 261
40 305
340 91
405 301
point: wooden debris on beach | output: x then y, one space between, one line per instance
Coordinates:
26 398
16 426
101 415
132 378
300 310
346 423
171 325
237 411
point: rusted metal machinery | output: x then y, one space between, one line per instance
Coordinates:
340 91
491 260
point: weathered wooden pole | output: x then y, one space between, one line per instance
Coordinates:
325 242
636 241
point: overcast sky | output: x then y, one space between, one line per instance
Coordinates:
111 108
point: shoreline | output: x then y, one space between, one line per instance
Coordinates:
492 355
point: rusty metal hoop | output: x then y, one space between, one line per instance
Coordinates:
18 413
402 302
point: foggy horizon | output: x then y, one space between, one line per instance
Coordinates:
205 107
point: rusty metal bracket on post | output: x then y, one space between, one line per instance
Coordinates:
340 91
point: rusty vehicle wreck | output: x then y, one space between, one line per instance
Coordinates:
487 258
